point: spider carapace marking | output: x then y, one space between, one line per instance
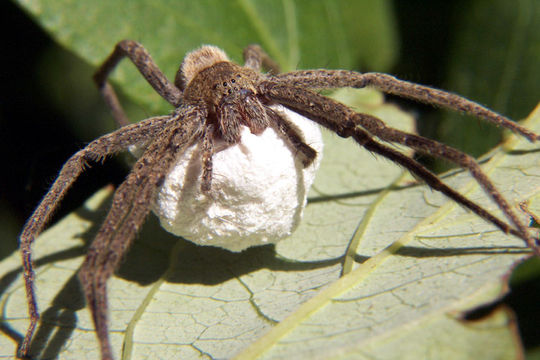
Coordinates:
231 98
214 99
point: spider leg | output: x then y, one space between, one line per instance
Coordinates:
256 58
430 147
131 204
292 135
362 138
207 155
100 262
95 151
146 66
319 79
114 239
342 120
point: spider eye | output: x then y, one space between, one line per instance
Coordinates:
233 81
224 83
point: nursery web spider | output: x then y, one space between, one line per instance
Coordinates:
214 99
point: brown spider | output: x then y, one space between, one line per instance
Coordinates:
215 100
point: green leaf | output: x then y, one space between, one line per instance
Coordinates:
297 33
429 260
495 63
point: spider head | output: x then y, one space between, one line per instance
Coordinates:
207 74
227 90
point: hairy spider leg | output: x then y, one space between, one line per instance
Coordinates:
207 151
321 79
256 58
291 134
95 151
146 66
131 204
339 118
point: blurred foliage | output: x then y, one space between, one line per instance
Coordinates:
297 33
496 63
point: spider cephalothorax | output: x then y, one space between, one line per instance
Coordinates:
220 107
228 93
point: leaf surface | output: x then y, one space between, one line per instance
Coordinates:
429 260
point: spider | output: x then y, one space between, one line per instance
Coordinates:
215 102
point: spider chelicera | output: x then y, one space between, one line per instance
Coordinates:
216 100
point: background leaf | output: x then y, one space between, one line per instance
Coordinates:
512 46
169 29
